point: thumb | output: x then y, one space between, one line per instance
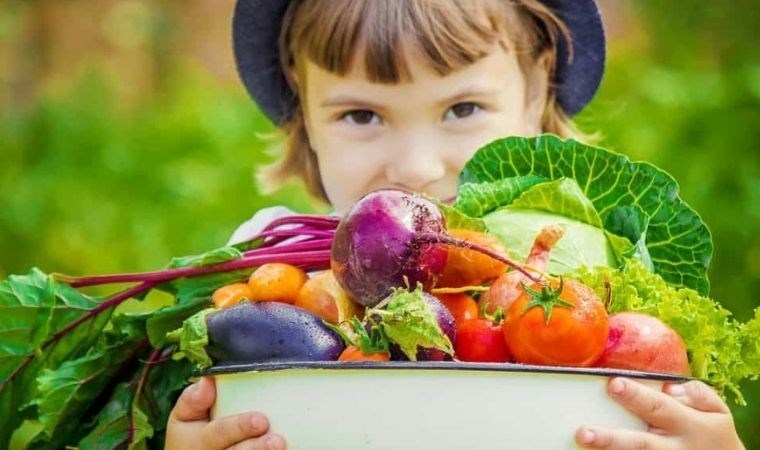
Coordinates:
697 395
195 401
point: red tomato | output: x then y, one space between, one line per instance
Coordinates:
562 326
462 306
480 340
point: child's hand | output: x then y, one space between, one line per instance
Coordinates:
682 416
189 427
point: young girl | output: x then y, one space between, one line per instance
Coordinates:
373 94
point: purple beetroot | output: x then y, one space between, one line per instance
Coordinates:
375 247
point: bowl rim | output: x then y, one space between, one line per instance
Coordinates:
440 365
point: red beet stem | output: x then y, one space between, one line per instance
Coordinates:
322 222
315 259
300 246
299 231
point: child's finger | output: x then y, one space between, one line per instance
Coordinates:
619 439
225 432
654 407
697 395
268 442
195 401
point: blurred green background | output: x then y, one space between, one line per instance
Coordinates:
126 138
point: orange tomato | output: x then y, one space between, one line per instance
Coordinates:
462 306
560 326
467 267
231 294
352 353
276 282
323 296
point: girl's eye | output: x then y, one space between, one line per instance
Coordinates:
361 117
462 110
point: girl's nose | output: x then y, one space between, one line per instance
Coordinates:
415 165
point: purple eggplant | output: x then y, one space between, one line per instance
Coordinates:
448 325
251 332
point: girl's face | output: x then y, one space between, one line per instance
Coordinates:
414 135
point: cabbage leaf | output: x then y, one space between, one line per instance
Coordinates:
635 200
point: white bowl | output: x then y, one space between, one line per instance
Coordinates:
430 405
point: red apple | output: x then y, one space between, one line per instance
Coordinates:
642 342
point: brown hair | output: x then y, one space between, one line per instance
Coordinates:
450 34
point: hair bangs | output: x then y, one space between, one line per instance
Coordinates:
448 35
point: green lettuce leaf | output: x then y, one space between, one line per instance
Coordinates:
751 346
677 241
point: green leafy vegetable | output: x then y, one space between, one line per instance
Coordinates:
193 338
457 219
119 424
563 197
408 322
219 255
477 199
369 342
33 338
721 350
560 202
74 370
68 391
676 239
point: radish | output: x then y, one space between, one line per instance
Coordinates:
641 342
391 238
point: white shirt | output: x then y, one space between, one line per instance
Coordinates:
255 224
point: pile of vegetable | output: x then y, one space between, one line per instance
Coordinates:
555 253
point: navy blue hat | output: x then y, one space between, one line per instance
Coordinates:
256 28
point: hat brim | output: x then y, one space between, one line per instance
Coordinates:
256 27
